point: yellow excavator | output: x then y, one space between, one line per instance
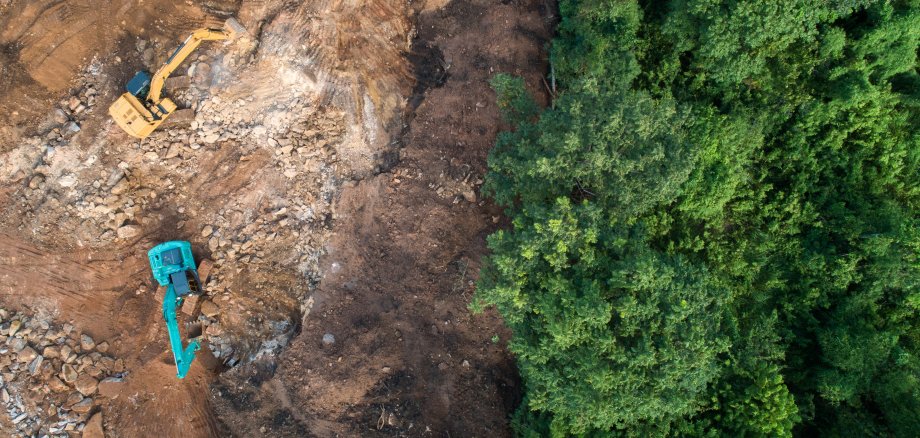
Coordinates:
143 107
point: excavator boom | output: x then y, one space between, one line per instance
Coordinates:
142 108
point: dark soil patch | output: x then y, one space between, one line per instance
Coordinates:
409 359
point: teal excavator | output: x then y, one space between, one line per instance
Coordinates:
174 268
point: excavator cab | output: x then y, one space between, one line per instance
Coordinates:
142 109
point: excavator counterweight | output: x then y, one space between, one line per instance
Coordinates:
142 108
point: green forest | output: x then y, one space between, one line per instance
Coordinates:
716 222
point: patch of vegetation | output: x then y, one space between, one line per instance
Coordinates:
716 229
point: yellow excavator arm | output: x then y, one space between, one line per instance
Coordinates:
143 108
188 46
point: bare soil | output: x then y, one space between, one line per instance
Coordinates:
332 173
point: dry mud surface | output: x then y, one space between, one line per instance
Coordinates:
329 165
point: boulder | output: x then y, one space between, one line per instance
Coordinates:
86 384
57 385
72 399
51 352
128 231
209 309
15 326
68 373
86 342
93 428
83 406
27 355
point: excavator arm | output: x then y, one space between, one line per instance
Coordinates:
183 356
173 267
175 60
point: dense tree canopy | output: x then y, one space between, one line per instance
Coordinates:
716 228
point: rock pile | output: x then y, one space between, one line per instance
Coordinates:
52 376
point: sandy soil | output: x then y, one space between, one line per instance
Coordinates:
332 174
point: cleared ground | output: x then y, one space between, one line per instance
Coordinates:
332 173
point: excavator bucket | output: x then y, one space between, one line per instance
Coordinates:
234 27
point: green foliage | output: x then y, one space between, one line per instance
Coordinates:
607 336
716 228
625 150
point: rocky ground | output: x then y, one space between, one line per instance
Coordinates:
54 378
250 180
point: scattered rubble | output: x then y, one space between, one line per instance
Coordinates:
250 179
270 162
51 394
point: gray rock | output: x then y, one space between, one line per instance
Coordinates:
17 344
60 117
86 342
35 365
328 339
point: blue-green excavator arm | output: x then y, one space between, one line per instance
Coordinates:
183 357
174 268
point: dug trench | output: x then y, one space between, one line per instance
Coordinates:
343 212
